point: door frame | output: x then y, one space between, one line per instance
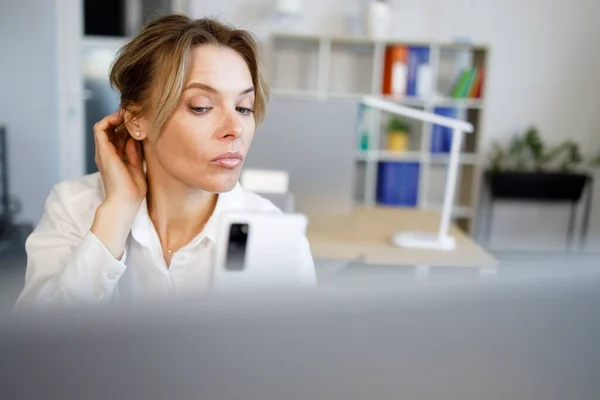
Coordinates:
71 102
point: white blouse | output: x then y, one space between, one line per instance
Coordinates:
68 265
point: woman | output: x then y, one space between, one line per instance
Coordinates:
192 93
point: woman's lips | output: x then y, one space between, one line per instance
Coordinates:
229 160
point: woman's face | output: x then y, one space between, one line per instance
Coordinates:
204 142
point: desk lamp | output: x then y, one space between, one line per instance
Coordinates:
442 239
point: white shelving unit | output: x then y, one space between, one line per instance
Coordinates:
441 159
327 68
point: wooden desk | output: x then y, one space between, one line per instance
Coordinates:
366 234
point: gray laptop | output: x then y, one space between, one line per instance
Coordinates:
528 337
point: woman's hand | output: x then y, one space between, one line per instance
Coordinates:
124 182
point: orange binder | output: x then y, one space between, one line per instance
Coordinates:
394 55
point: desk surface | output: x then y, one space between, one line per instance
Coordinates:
366 235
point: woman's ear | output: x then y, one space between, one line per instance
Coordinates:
136 126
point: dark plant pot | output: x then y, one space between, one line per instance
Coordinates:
537 185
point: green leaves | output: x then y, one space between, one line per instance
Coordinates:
398 125
518 153
498 158
535 146
528 152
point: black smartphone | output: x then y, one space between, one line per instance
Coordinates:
236 247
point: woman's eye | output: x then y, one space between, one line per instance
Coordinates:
201 110
244 110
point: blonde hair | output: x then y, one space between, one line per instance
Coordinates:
150 71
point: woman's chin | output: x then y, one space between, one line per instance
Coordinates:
219 184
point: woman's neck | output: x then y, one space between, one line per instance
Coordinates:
178 211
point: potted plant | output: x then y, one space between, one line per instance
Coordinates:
528 169
397 134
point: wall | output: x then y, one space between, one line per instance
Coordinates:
543 55
28 105
286 141
550 85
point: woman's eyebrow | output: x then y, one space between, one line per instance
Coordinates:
207 88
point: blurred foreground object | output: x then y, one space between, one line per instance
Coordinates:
527 337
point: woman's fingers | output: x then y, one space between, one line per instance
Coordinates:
108 122
104 128
103 132
122 180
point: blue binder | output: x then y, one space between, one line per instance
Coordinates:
398 183
441 137
417 56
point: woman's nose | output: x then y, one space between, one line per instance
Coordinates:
231 127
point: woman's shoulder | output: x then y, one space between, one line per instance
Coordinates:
77 197
88 187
